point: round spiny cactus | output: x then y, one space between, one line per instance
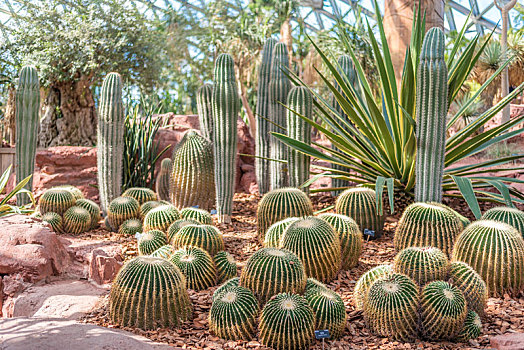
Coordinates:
281 204
234 282
471 329
197 265
141 194
77 220
147 206
92 208
54 220
161 218
495 250
206 237
423 265
391 307
287 322
510 216
56 200
314 284
470 284
274 232
360 204
149 293
130 227
349 235
427 225
443 310
163 252
270 271
75 191
233 314
329 309
366 280
176 226
151 241
226 266
200 215
317 245
121 209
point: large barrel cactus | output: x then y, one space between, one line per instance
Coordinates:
197 265
262 125
471 329
163 180
349 235
161 218
511 216
110 140
151 241
431 112
141 194
279 87
54 220
205 110
470 284
130 227
206 237
192 174
274 232
77 220
329 309
149 293
200 215
226 266
121 209
423 265
92 208
226 106
366 280
27 121
229 284
56 201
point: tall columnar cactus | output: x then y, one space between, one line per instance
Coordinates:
423 265
163 179
511 216
192 174
349 235
431 111
299 101
205 110
226 106
279 87
262 125
360 204
110 140
27 121
470 284
366 280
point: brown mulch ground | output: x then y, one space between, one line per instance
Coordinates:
502 316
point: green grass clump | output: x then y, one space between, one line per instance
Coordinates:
161 218
141 194
350 238
92 208
206 237
423 265
197 265
274 232
226 266
200 215
56 201
76 220
329 309
130 227
366 280
121 209
151 241
470 284
360 204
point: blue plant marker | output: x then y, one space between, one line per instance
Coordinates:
195 206
213 212
322 334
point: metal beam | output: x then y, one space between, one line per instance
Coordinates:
465 11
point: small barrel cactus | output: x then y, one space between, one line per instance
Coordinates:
197 265
470 284
205 110
147 206
149 293
360 204
233 314
314 284
423 265
176 226
510 216
471 329
77 220
279 322
200 215
391 307
495 250
163 252
329 309
231 283
92 208
443 310
56 201
274 232
206 237
316 244
151 241
281 204
141 194
130 227
163 179
349 235
270 271
226 266
427 225
75 191
160 218
54 220
121 209
366 280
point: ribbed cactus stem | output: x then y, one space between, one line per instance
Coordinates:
432 106
300 102
27 106
226 106
205 110
163 179
279 87
110 140
263 111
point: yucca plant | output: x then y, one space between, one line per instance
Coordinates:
5 207
379 144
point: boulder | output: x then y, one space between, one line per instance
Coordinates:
509 341
103 267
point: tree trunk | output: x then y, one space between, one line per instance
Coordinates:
286 37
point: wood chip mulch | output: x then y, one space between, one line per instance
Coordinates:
503 315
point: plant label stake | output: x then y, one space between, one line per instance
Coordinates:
322 334
368 233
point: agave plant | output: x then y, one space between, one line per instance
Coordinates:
6 208
378 145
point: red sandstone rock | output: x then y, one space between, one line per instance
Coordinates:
510 341
103 267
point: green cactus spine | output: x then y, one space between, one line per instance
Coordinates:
360 204
141 194
226 106
274 232
366 280
270 271
149 293
329 309
197 265
92 208
206 237
77 220
161 218
204 100
75 191
423 265
229 284
27 121
495 250
443 310
511 216
350 238
192 177
54 220
279 319
110 140
151 241
262 125
120 209
200 215
226 266
431 112
56 201
471 329
130 227
176 226
470 284
163 179
279 87
300 101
